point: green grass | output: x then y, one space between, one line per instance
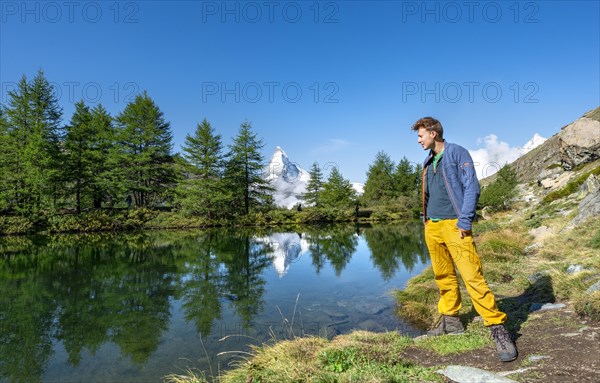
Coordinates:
357 357
190 376
474 338
588 305
485 226
595 241
417 301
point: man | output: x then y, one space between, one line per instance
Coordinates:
450 194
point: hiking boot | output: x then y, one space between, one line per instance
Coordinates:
448 325
507 351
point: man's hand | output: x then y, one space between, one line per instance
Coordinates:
464 233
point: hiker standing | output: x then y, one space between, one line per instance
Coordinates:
450 194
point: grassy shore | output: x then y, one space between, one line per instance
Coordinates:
522 270
122 219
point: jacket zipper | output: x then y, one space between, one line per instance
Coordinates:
450 192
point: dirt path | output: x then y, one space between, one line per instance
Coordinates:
554 346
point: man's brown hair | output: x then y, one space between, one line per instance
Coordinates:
430 124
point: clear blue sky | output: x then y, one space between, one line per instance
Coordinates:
331 82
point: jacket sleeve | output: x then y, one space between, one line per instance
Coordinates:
471 190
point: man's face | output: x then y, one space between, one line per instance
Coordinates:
426 138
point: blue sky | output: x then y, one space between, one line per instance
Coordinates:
329 82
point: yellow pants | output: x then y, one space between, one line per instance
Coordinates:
447 251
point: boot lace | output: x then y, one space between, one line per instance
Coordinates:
501 336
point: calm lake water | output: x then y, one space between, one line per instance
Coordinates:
137 307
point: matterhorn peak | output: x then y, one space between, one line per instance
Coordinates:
279 153
288 179
281 166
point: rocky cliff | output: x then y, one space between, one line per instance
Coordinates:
576 144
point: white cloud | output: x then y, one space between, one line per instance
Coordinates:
495 153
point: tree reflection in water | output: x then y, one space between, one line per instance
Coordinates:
84 291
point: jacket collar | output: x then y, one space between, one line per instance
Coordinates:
431 155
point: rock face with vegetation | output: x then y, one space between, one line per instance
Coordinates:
577 143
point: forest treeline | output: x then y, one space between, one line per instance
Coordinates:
97 168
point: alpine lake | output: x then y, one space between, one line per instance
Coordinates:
135 307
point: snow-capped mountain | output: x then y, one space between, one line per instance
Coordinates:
535 141
288 179
496 153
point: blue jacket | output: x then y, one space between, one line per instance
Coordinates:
461 183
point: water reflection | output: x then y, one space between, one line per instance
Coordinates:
285 248
81 293
392 249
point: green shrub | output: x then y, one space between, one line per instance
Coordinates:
339 360
499 194
15 225
85 222
177 220
136 218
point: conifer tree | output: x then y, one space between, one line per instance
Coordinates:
34 132
244 171
204 151
46 122
108 182
15 141
7 147
405 178
86 171
418 178
144 151
337 191
77 167
314 186
380 179
203 191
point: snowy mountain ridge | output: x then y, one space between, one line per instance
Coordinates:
290 180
